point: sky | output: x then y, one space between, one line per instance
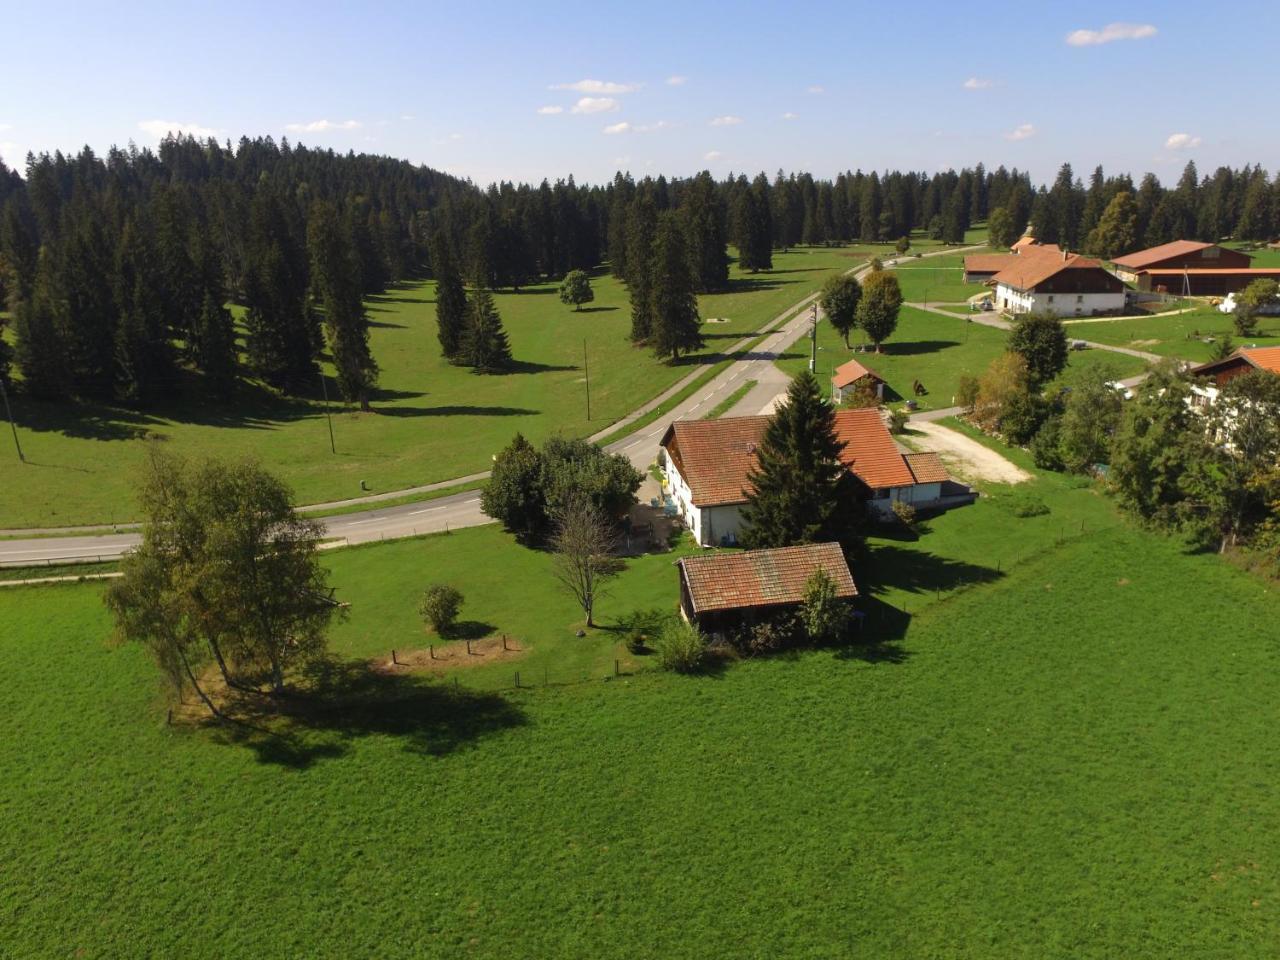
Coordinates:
522 91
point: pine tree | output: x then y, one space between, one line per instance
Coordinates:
39 346
335 274
145 362
796 486
451 298
283 336
485 346
708 259
213 346
675 305
642 222
85 309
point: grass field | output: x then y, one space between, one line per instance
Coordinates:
1057 753
1175 336
432 421
937 351
937 280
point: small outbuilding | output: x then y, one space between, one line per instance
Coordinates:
720 591
849 375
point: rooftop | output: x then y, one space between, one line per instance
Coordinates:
1035 266
927 467
762 578
852 372
715 457
1177 248
869 451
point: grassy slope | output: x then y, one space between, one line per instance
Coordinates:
433 421
937 280
1175 336
1068 760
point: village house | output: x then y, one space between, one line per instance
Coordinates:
1040 280
847 377
981 267
720 591
1213 376
707 464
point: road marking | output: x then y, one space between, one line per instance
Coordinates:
414 513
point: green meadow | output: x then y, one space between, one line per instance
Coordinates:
1182 335
1055 749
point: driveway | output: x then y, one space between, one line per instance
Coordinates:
966 458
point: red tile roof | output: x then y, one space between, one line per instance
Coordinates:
1029 269
869 450
1264 358
715 457
927 467
762 578
852 372
987 262
1177 248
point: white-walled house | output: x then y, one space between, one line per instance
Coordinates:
707 464
1063 284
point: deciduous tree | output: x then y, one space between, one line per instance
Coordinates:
840 296
575 289
878 308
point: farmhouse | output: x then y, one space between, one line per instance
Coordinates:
1221 372
981 267
707 466
1066 284
849 375
722 590
1179 255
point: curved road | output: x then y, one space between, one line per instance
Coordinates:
463 509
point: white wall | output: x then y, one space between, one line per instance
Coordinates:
709 525
1062 304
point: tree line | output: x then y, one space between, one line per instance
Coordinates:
118 270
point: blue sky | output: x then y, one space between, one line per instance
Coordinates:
671 88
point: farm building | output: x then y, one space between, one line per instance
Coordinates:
1203 281
707 466
1245 360
719 591
1179 255
981 267
847 377
1061 283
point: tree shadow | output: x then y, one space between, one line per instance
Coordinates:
528 366
595 309
912 348
451 410
342 701
470 630
918 571
383 325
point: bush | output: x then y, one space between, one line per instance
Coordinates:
642 627
1045 445
905 513
681 647
1023 505
770 635
1022 417
967 391
440 606
898 420
824 615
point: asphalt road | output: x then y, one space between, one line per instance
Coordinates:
460 510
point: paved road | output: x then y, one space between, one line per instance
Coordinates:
463 509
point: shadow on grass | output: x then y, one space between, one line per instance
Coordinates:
595 309
471 630
916 347
382 324
528 366
346 700
452 410
918 571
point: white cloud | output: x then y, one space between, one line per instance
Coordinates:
161 128
788 115
1182 141
621 161
615 128
596 105
550 110
626 127
977 83
726 121
651 127
323 126
712 156
676 81
455 136
407 117
816 88
1024 131
1110 33
597 86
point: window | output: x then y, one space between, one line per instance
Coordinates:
1051 298
1080 298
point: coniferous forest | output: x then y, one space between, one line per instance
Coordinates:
117 271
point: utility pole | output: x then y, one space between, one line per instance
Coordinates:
813 338
586 376
8 412
324 388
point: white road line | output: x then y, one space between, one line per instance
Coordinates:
414 513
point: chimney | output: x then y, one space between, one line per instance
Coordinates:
1065 254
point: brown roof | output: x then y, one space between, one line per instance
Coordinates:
869 452
852 372
1213 271
715 457
927 467
987 262
1029 269
1024 242
1177 248
762 578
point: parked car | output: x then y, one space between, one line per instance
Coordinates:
1079 345
1120 388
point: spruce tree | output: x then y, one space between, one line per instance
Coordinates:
213 346
39 346
797 487
85 309
335 275
145 364
641 229
708 259
451 298
675 305
283 336
485 346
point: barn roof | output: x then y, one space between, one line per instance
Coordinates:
1263 358
1176 248
715 457
852 372
762 578
869 451
987 262
1030 269
927 467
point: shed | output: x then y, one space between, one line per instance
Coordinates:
848 375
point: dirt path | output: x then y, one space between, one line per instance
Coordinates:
969 459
